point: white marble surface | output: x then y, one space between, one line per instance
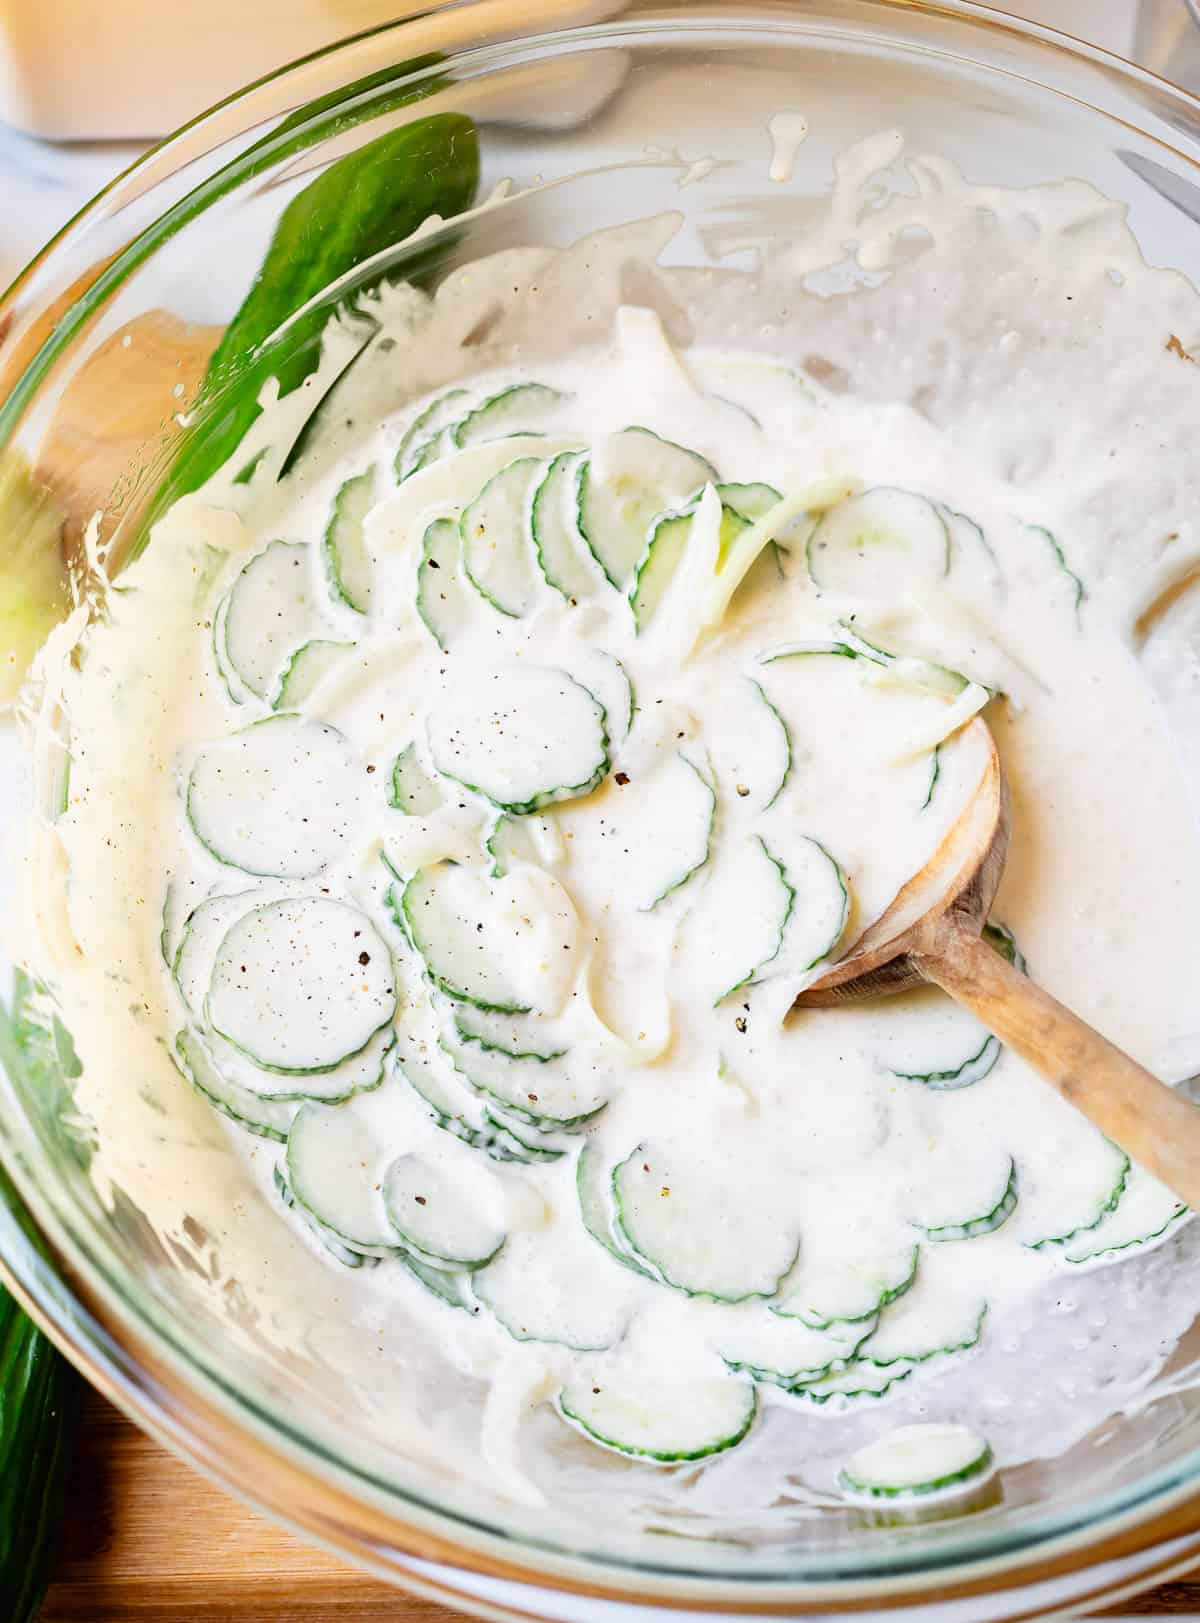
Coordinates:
42 186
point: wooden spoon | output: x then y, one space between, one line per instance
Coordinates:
931 932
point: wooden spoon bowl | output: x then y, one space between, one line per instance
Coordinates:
931 932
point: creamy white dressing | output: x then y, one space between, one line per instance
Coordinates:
794 1163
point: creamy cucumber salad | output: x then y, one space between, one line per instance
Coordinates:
488 788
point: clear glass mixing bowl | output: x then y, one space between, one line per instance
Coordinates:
595 114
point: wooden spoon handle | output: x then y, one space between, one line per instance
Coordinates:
1152 1123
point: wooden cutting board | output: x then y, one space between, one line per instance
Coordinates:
146 1540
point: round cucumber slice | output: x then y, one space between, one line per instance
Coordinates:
266 1118
306 670
738 926
444 600
435 1217
557 1094
300 986
415 791
665 1417
361 1073
698 1236
630 478
441 413
203 931
912 1461
497 547
272 608
337 1156
885 541
1145 1212
749 502
523 408
280 799
523 736
992 1209
344 546
561 552
496 943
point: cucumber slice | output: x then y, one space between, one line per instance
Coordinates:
881 543
495 943
969 543
442 413
779 752
593 1186
339 1252
181 895
437 447
432 1079
914 1461
520 1141
607 680
993 1210
508 1035
523 736
551 1284
1146 1211
785 1352
738 927
854 1291
660 1415
562 555
820 908
497 550
524 408
203 931
344 546
666 545
647 835
442 907
514 840
1076 590
306 670
272 608
337 1159
932 1041
235 689
444 600
1060 1211
452 1288
280 798
266 1118
935 773
435 1218
857 1380
414 790
361 1073
926 1323
630 478
696 1236
749 502
335 991
551 1094
955 1073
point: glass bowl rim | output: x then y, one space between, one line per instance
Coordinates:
128 1350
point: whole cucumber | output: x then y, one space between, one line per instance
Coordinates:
39 1402
363 204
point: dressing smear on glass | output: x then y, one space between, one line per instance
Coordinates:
463 812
